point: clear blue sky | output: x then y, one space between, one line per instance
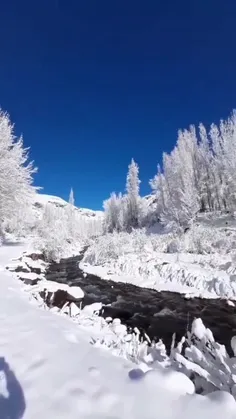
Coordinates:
93 83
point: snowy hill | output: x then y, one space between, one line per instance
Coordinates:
42 200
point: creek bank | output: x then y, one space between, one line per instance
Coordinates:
158 314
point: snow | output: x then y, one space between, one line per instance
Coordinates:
48 368
41 200
92 308
198 329
154 272
34 264
74 310
30 276
44 199
142 260
233 344
169 380
53 286
76 292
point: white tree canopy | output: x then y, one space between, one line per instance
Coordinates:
198 175
16 174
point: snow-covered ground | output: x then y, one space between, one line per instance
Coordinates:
199 263
48 368
41 200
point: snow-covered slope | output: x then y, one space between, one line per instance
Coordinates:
42 200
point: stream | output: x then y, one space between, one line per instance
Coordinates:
158 314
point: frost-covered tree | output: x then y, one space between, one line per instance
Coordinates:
72 220
71 197
58 235
176 189
224 147
16 174
114 213
52 232
198 175
133 197
124 212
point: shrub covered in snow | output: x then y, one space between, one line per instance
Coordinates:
62 231
204 239
111 246
175 246
205 361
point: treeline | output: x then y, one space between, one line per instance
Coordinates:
198 175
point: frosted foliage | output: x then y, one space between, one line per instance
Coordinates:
202 240
114 213
111 246
205 360
174 246
196 356
71 197
199 174
125 212
133 198
61 232
16 176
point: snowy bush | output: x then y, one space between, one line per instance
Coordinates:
204 239
197 240
175 246
111 246
205 360
62 231
52 233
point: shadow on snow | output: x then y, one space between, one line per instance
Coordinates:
12 401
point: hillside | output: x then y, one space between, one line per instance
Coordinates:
42 200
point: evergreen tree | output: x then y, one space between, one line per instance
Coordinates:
133 197
71 197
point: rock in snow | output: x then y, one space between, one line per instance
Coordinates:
75 292
30 278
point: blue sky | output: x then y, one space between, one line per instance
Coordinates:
92 84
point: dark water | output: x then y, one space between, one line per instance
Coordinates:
159 314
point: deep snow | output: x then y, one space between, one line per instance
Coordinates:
49 369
